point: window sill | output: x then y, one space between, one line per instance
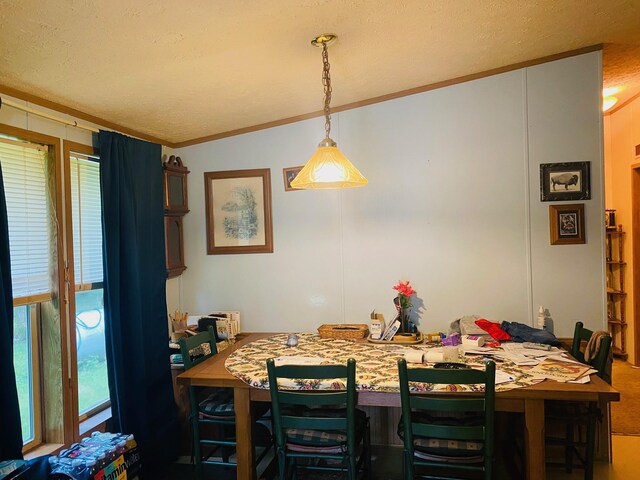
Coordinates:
95 422
43 449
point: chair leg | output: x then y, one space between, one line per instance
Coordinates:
197 453
367 452
568 447
591 440
407 465
353 471
282 464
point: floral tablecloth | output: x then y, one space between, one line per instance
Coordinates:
376 364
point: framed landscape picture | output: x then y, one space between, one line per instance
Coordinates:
238 210
566 224
565 181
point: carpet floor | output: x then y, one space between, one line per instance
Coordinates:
625 414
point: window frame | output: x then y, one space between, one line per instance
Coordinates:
69 149
54 387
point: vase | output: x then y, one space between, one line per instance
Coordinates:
403 317
404 321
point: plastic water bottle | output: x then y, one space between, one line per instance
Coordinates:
131 442
121 447
91 467
542 318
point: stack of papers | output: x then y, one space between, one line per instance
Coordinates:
560 370
503 377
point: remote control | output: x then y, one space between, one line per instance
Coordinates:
536 346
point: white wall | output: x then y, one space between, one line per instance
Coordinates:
452 205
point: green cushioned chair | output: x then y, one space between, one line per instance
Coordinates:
319 429
211 408
577 415
445 434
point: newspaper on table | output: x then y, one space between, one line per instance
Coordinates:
560 370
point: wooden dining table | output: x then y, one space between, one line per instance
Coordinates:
529 401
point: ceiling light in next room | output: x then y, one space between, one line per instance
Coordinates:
328 167
610 91
608 99
608 102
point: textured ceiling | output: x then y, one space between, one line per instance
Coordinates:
184 70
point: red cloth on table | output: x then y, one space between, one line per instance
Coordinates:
493 329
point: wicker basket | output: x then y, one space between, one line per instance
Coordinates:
351 331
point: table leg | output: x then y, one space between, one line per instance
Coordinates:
244 438
604 450
534 439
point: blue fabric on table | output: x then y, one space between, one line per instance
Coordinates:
524 333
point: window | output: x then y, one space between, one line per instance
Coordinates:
55 240
23 167
86 209
26 364
24 174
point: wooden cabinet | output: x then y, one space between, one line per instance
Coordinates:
616 293
176 205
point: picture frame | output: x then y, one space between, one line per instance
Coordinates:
238 211
566 224
288 175
565 181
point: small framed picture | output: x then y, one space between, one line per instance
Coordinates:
566 224
565 181
238 211
289 174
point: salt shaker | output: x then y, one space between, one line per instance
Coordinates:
292 340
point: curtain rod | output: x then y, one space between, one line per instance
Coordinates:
24 108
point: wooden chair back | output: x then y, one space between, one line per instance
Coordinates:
205 341
281 399
582 336
414 401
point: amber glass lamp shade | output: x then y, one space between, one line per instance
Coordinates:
328 168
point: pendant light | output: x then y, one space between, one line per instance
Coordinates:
328 168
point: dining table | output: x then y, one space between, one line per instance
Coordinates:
251 349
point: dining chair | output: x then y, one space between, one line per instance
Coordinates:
212 414
447 434
576 415
321 427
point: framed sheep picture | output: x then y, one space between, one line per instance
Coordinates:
565 181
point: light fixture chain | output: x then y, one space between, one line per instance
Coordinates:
326 82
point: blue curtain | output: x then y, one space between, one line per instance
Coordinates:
11 432
135 299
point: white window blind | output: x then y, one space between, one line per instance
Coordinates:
87 225
25 188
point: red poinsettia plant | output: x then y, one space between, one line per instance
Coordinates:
405 290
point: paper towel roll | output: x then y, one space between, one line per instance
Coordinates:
434 357
413 356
